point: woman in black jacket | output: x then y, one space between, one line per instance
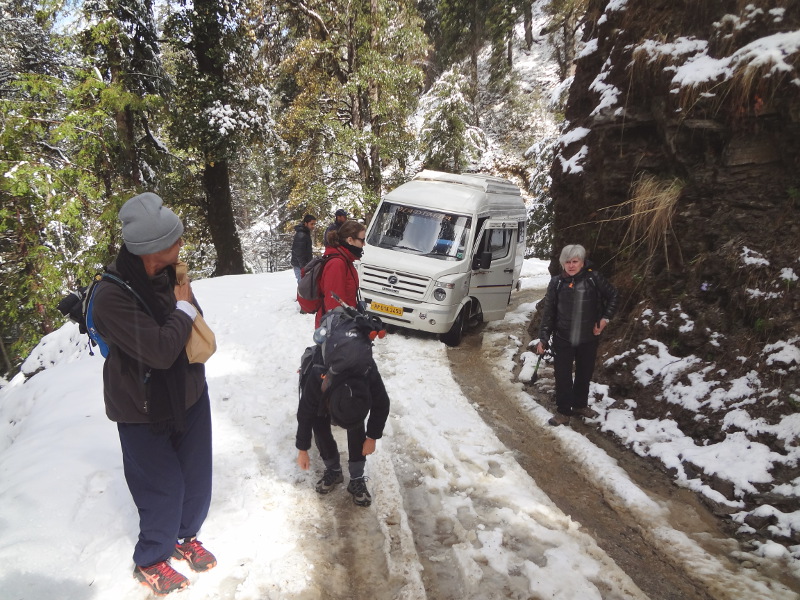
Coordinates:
579 304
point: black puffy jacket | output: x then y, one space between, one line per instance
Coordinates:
573 305
301 246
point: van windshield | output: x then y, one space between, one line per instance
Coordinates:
420 231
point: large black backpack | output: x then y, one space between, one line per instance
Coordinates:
345 337
342 355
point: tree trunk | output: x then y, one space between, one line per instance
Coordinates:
208 39
527 11
221 223
476 39
124 118
6 360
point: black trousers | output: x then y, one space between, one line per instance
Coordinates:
573 392
169 477
329 450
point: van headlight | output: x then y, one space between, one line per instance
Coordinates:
440 293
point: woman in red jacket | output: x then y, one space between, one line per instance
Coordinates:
345 246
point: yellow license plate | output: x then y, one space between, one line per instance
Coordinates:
386 308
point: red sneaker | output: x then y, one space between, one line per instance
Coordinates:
192 551
161 578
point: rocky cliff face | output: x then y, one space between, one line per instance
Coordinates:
679 170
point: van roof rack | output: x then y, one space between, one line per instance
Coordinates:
486 183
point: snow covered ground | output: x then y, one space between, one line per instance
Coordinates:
68 525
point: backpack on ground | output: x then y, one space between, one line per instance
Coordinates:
309 296
78 305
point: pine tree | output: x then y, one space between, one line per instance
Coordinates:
220 105
447 137
356 78
121 39
58 177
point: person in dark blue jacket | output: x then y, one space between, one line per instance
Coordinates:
339 217
577 308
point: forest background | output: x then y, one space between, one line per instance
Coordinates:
244 115
664 136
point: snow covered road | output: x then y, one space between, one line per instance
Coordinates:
454 513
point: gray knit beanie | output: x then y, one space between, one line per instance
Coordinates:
147 225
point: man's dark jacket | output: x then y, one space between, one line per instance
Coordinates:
301 246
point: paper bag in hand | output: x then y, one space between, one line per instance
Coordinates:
202 343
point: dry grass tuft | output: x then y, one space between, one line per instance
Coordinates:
652 205
649 213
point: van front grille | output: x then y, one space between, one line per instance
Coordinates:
394 283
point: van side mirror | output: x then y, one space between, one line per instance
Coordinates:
482 260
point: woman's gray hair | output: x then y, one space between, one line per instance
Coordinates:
572 251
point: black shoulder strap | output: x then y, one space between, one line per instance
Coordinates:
125 286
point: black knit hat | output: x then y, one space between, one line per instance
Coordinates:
349 403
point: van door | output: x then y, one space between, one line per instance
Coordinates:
492 285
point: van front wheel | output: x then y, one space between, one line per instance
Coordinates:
456 333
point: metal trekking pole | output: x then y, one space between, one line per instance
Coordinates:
348 309
535 375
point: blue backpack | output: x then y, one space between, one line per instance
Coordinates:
78 307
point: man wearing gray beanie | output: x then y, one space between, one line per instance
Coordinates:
157 398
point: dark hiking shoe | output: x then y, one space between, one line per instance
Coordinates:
559 419
586 412
329 480
161 578
193 552
358 488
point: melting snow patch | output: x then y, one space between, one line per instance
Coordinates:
753 258
573 165
783 352
787 274
754 293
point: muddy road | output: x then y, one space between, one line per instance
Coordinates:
656 567
477 498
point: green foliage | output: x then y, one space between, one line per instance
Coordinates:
465 25
220 102
55 198
500 20
760 325
562 30
356 79
793 195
